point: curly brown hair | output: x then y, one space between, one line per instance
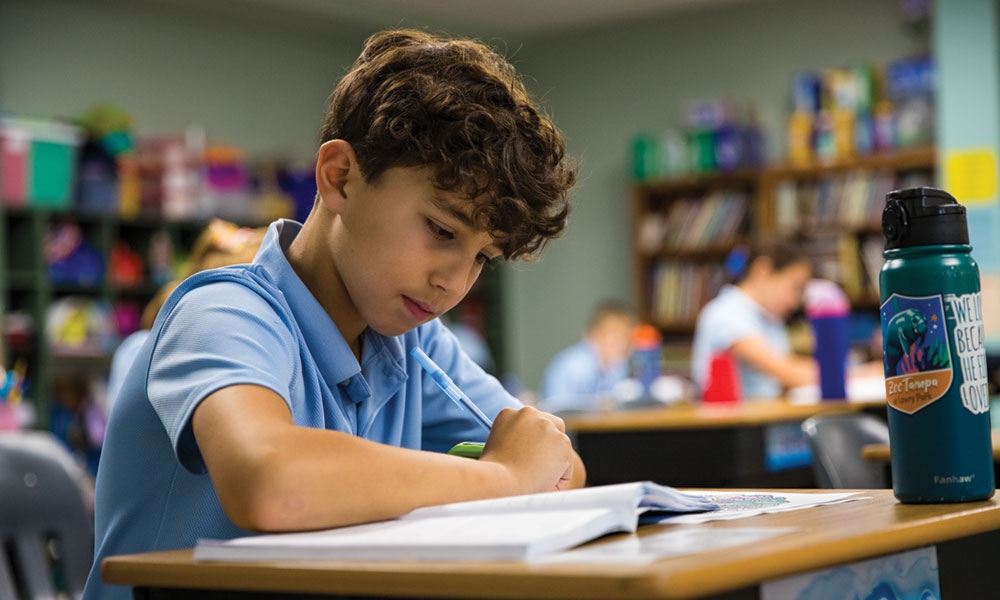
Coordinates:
459 108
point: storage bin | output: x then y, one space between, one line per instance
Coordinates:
37 162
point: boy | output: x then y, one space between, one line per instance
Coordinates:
281 395
581 376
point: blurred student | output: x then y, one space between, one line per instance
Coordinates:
221 243
283 395
748 320
580 376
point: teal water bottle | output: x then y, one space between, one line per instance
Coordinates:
933 350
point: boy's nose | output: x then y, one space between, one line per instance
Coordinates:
452 276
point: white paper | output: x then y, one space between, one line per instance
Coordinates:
640 494
739 505
641 549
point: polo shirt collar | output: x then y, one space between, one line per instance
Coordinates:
750 304
382 357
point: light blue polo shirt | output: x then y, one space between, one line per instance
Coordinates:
728 318
258 324
575 379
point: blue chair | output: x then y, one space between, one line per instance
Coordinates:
836 442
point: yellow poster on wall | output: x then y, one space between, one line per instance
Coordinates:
971 175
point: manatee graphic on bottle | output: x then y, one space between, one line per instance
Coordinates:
934 355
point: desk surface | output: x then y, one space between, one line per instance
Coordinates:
701 416
825 536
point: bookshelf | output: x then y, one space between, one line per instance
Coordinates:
682 231
27 290
683 228
836 211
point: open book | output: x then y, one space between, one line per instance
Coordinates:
516 527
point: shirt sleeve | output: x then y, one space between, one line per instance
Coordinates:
217 335
444 422
572 380
722 323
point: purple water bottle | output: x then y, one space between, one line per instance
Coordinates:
828 310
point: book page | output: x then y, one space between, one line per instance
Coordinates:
639 496
517 535
741 504
618 495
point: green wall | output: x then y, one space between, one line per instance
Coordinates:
262 88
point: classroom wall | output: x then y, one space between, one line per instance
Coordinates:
605 85
259 87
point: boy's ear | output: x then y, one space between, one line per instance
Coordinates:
762 266
335 164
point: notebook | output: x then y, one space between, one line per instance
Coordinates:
511 528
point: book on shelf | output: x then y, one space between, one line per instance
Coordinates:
698 223
679 289
852 200
512 528
851 275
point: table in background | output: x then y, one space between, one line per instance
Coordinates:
879 453
696 445
965 536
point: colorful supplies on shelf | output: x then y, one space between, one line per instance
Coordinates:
37 161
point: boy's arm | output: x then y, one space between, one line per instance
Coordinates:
272 475
790 370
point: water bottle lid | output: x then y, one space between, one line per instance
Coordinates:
646 337
923 216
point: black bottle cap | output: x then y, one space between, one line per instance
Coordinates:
923 216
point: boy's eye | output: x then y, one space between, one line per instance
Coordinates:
439 232
488 262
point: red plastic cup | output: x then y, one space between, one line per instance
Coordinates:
723 385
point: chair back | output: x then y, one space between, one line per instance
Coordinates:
46 531
836 442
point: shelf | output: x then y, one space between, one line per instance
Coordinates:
699 182
147 288
718 251
21 280
837 207
65 289
26 288
901 160
675 328
80 355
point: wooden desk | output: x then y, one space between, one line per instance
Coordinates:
880 452
696 445
827 536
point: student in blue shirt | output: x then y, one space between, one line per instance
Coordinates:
581 376
747 320
281 395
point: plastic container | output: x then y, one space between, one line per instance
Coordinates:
723 384
647 356
828 311
37 162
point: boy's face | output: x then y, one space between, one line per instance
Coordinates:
407 251
785 289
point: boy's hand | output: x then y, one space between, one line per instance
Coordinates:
533 447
